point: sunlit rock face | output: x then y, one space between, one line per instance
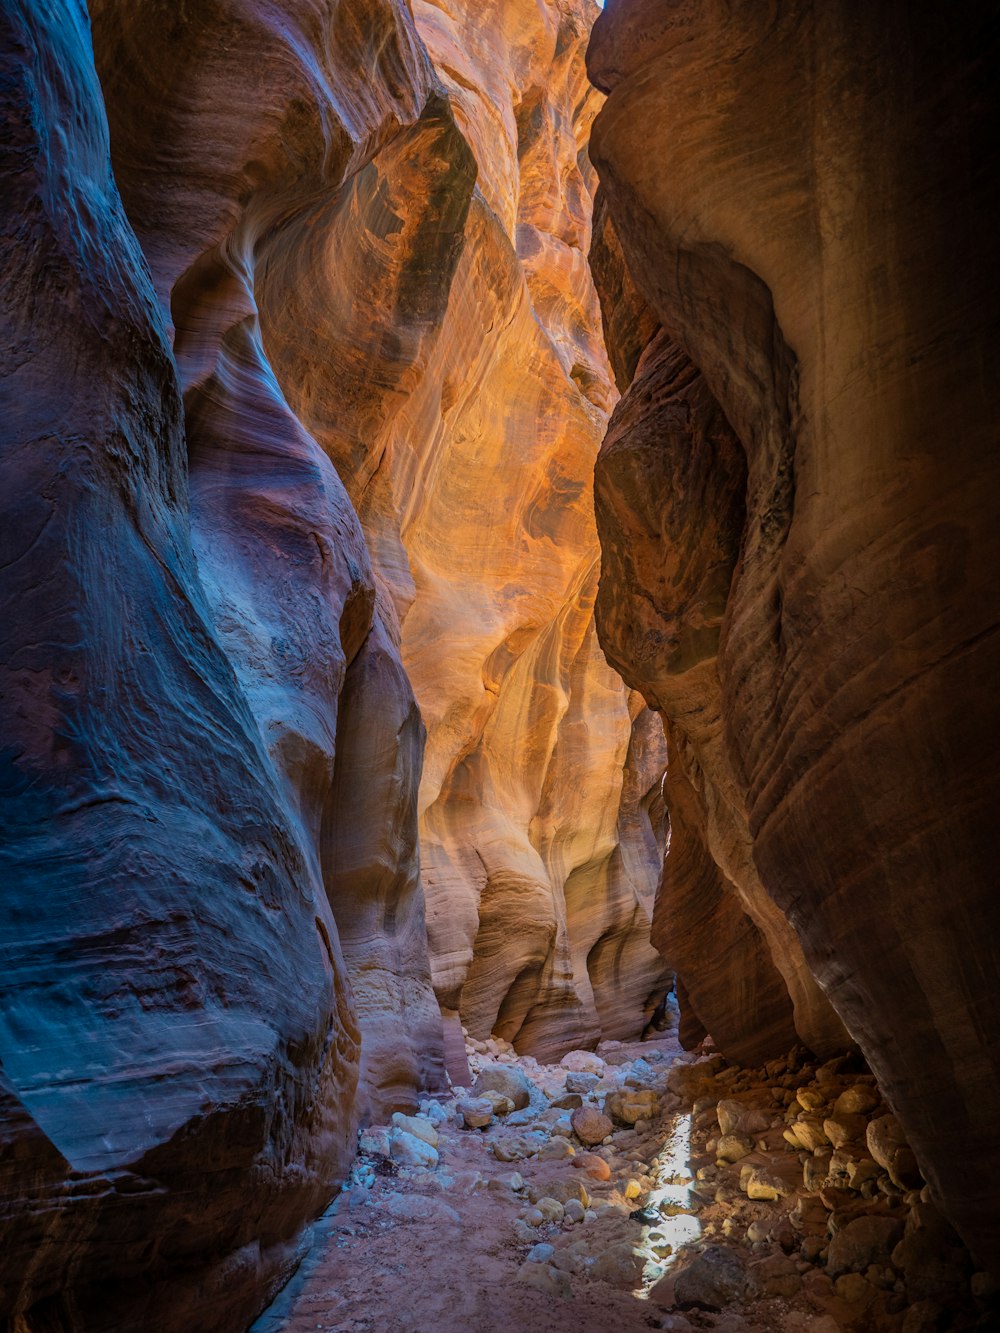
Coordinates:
435 327
798 195
540 801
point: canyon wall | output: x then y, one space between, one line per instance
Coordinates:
796 502
434 324
301 405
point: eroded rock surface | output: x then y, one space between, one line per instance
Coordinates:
435 325
302 415
797 197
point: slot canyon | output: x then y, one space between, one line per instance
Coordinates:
499 666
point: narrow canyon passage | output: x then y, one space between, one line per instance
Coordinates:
498 667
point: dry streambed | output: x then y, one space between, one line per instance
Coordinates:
638 1187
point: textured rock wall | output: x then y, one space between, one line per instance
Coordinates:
800 198
305 413
536 845
179 1050
436 327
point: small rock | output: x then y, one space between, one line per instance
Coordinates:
540 1253
557 1149
581 1082
776 1276
858 1100
476 1112
583 1062
513 1149
866 1240
810 1099
923 1317
501 1105
417 1125
629 1105
808 1132
573 1211
762 1184
853 1288
569 1101
640 1075
550 1209
732 1148
376 1141
534 1217
860 1172
408 1150
590 1126
595 1167
741 1119
545 1278
620 1265
889 1148
983 1287
845 1129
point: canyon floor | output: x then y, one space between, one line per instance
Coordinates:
522 1223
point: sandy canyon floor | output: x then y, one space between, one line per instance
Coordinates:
817 1224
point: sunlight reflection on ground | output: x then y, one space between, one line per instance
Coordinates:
671 1190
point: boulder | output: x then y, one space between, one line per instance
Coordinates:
408 1150
418 1126
866 1240
590 1126
887 1145
713 1281
629 1105
508 1081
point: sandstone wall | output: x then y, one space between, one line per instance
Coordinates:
799 197
435 325
298 437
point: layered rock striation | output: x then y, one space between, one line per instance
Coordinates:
301 404
797 508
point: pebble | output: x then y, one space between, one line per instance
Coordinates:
540 1253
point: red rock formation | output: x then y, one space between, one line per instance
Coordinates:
221 205
670 493
800 194
449 362
309 410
